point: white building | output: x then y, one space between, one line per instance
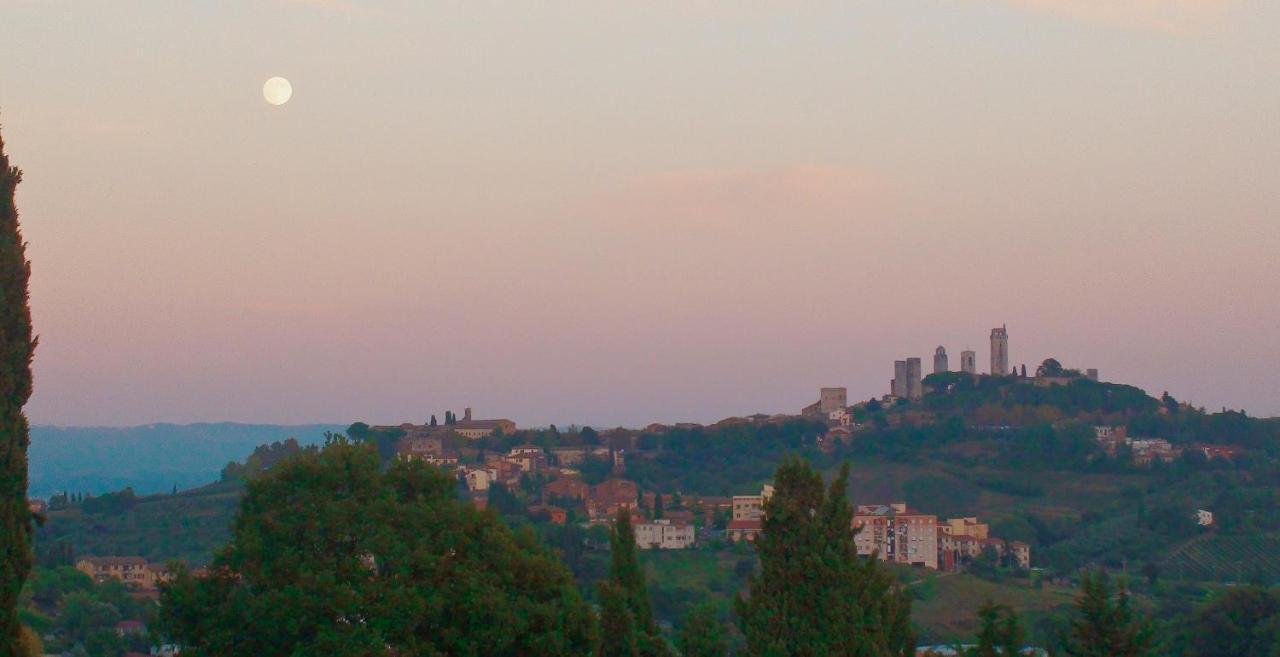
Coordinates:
478 479
664 534
968 362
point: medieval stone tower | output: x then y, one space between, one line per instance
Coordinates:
1000 351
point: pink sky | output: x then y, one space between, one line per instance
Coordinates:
616 215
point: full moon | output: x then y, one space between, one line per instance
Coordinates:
277 91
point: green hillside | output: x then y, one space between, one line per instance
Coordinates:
189 525
1238 558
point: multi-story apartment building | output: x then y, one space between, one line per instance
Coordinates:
897 534
664 534
748 515
964 527
134 572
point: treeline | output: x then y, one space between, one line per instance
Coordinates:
335 554
955 392
77 616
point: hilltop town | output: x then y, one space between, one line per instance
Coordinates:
940 484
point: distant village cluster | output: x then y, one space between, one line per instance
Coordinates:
669 522
894 531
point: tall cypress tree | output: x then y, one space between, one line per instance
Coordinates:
16 347
1106 624
814 595
702 634
625 572
626 578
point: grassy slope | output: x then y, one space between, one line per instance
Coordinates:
948 611
945 609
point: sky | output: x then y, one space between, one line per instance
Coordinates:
614 213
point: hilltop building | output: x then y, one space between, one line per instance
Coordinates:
940 360
829 401
466 427
473 429
896 534
969 362
1000 351
915 390
898 384
906 383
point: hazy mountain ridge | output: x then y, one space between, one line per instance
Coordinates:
150 458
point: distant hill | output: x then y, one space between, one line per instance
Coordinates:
152 458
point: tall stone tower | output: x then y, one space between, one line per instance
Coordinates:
915 390
969 362
832 399
898 386
940 360
1000 351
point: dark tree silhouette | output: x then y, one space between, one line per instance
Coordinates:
16 348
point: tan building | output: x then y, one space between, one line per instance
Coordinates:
897 534
530 458
744 530
965 527
478 479
748 515
1021 554
473 429
134 572
611 496
751 507
465 427
664 534
829 399
955 549
567 488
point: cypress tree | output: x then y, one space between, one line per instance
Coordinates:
625 572
1107 625
16 348
1001 631
617 625
814 595
627 576
702 634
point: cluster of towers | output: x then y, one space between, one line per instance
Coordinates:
907 376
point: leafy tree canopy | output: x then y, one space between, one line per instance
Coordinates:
331 555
